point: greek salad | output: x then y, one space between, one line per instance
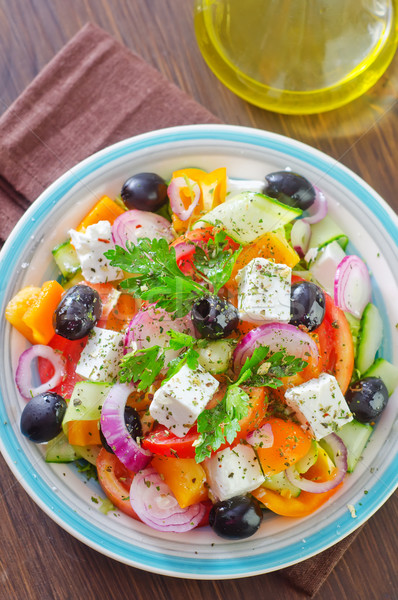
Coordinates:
210 346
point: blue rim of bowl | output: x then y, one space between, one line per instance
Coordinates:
53 505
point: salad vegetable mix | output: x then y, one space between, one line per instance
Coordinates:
210 346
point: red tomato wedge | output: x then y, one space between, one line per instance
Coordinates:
115 480
71 351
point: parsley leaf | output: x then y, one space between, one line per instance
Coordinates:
142 365
216 262
157 277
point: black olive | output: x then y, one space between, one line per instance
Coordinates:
290 188
214 318
367 398
133 425
236 518
307 305
78 312
144 191
41 419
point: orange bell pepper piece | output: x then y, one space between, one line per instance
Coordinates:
83 433
17 307
39 316
184 476
290 444
105 210
305 504
213 190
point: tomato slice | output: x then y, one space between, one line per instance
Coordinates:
305 504
115 480
163 442
71 351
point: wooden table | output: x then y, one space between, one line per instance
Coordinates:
38 559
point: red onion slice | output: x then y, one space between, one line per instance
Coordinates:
23 375
177 184
135 224
319 487
113 427
300 236
352 287
262 437
149 327
318 210
277 336
156 505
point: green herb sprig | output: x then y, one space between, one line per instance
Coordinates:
157 277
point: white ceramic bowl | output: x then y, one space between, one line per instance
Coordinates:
60 490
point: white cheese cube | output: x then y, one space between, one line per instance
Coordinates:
90 246
100 358
233 471
264 291
178 403
319 405
324 265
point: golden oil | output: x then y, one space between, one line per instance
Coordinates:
297 56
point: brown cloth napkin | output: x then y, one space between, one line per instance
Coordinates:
94 93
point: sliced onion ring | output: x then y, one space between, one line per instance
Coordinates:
262 437
23 375
277 336
300 236
339 450
135 224
149 327
113 427
156 505
318 210
174 193
352 286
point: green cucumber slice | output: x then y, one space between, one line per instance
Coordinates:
216 356
86 402
355 436
355 325
369 338
326 231
309 459
280 483
249 215
67 260
89 453
59 450
386 371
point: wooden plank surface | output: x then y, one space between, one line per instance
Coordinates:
38 559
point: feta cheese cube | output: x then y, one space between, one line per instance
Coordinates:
100 358
90 246
264 291
178 403
319 405
324 265
233 471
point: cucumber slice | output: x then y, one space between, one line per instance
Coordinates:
309 459
355 325
77 278
326 231
355 436
248 215
67 260
59 450
280 483
86 402
216 356
370 337
89 453
386 371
